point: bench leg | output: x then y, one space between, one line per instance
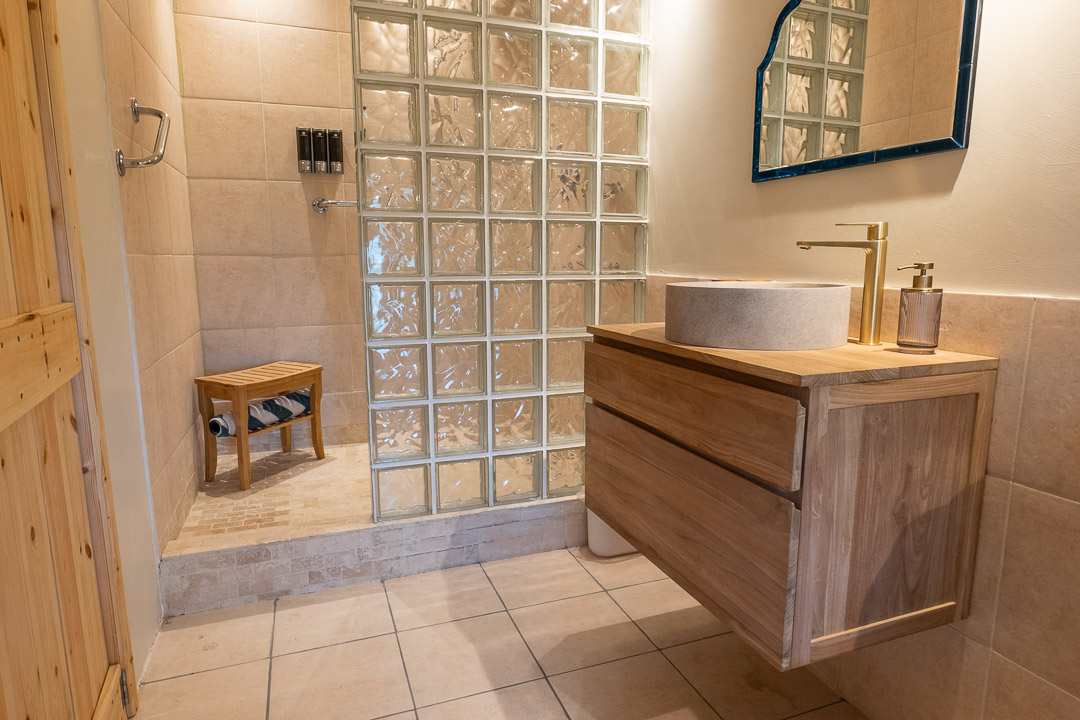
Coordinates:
316 418
206 410
286 438
243 451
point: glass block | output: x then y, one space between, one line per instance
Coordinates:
457 308
772 83
571 127
624 188
517 422
515 365
570 305
515 307
403 492
462 485
517 478
847 42
460 428
391 182
570 187
399 433
527 10
513 56
385 43
471 7
622 248
769 148
515 186
452 50
455 117
513 122
458 368
571 247
625 130
392 247
571 63
807 34
622 301
395 310
566 418
843 96
566 363
625 16
455 183
566 471
397 373
801 142
577 13
802 91
457 247
624 69
840 140
389 113
515 247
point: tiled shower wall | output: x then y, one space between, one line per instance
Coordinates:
503 207
141 61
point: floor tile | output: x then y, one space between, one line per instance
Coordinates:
330 617
465 657
544 577
208 640
741 685
237 692
441 596
839 711
637 688
355 681
616 572
578 632
531 701
667 614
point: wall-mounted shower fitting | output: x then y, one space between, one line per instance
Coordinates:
319 151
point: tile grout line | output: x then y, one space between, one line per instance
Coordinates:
814 710
397 640
270 665
1023 389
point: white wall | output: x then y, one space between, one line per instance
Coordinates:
110 314
999 217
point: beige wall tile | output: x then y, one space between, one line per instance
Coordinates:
225 139
221 58
236 292
157 205
329 345
936 16
979 624
318 14
1013 692
839 711
887 85
656 294
348 141
179 199
230 217
932 125
164 43
234 9
149 334
888 133
1040 581
296 229
892 25
280 123
299 66
121 8
345 71
1048 448
227 350
133 206
311 291
119 69
936 61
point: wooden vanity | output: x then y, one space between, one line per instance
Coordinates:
822 501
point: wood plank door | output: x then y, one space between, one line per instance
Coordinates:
59 656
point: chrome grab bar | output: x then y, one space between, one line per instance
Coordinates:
321 204
123 163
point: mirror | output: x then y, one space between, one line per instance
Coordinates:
851 82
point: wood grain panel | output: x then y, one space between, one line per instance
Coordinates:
727 539
756 431
39 354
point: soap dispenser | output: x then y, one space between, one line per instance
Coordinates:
920 313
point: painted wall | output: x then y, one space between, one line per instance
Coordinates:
998 217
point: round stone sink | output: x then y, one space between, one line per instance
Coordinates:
758 315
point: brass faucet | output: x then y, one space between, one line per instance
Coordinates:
876 246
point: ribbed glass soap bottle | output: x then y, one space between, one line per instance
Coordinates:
920 313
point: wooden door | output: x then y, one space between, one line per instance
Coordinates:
60 649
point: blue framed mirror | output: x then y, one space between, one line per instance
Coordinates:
853 82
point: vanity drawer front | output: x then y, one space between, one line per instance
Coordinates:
729 543
754 430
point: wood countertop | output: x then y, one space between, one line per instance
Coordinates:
852 363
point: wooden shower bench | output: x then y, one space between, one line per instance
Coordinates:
242 386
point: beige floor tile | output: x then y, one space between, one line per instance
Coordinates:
616 572
741 685
637 688
531 701
465 657
578 632
839 711
330 617
544 577
215 639
355 681
1013 693
667 614
237 693
441 596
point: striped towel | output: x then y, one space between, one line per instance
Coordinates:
263 413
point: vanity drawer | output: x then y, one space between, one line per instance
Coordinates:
754 430
726 541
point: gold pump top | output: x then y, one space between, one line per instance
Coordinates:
921 282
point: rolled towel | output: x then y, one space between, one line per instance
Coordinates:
263 413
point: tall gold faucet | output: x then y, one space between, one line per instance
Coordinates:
876 246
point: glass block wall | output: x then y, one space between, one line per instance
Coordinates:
502 197
812 95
